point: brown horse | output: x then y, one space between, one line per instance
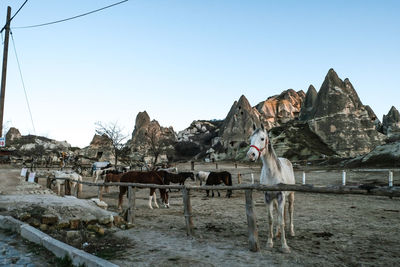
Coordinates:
112 177
216 178
150 177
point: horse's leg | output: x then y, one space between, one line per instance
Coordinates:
155 199
101 193
281 222
122 190
278 227
219 195
150 198
80 187
59 189
270 210
207 191
291 210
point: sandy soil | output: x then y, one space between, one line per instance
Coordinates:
331 230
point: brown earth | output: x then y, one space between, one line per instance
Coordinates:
331 230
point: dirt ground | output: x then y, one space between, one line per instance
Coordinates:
331 230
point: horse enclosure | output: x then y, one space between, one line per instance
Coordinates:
339 227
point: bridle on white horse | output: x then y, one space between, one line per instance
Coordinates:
260 150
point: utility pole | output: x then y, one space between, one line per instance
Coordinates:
4 69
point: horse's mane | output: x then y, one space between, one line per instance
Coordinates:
271 152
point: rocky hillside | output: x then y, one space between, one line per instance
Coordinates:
329 123
340 119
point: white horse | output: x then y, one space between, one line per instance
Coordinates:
274 171
202 176
73 176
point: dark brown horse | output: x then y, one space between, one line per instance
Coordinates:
176 178
216 178
150 177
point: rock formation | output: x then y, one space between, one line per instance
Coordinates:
197 139
391 123
100 149
13 134
149 137
308 104
280 108
297 142
341 120
238 125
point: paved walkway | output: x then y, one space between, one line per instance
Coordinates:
14 251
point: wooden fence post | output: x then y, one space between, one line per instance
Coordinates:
100 193
131 204
251 222
344 178
390 179
187 211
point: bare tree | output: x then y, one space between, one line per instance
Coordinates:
157 145
115 134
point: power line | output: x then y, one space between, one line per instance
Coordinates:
19 9
23 84
74 17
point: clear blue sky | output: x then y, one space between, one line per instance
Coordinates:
187 60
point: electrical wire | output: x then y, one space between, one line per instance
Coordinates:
23 83
74 17
19 9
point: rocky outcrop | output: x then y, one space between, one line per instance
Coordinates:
280 109
238 125
373 117
197 139
148 137
100 149
387 155
391 123
308 104
341 120
13 134
100 141
297 142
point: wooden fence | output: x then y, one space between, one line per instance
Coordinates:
249 188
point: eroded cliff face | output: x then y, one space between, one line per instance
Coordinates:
280 109
237 126
149 137
391 123
341 120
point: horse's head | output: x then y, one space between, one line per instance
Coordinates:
258 143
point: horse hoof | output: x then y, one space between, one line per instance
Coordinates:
286 249
292 234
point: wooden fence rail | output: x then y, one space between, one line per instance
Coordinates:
249 203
